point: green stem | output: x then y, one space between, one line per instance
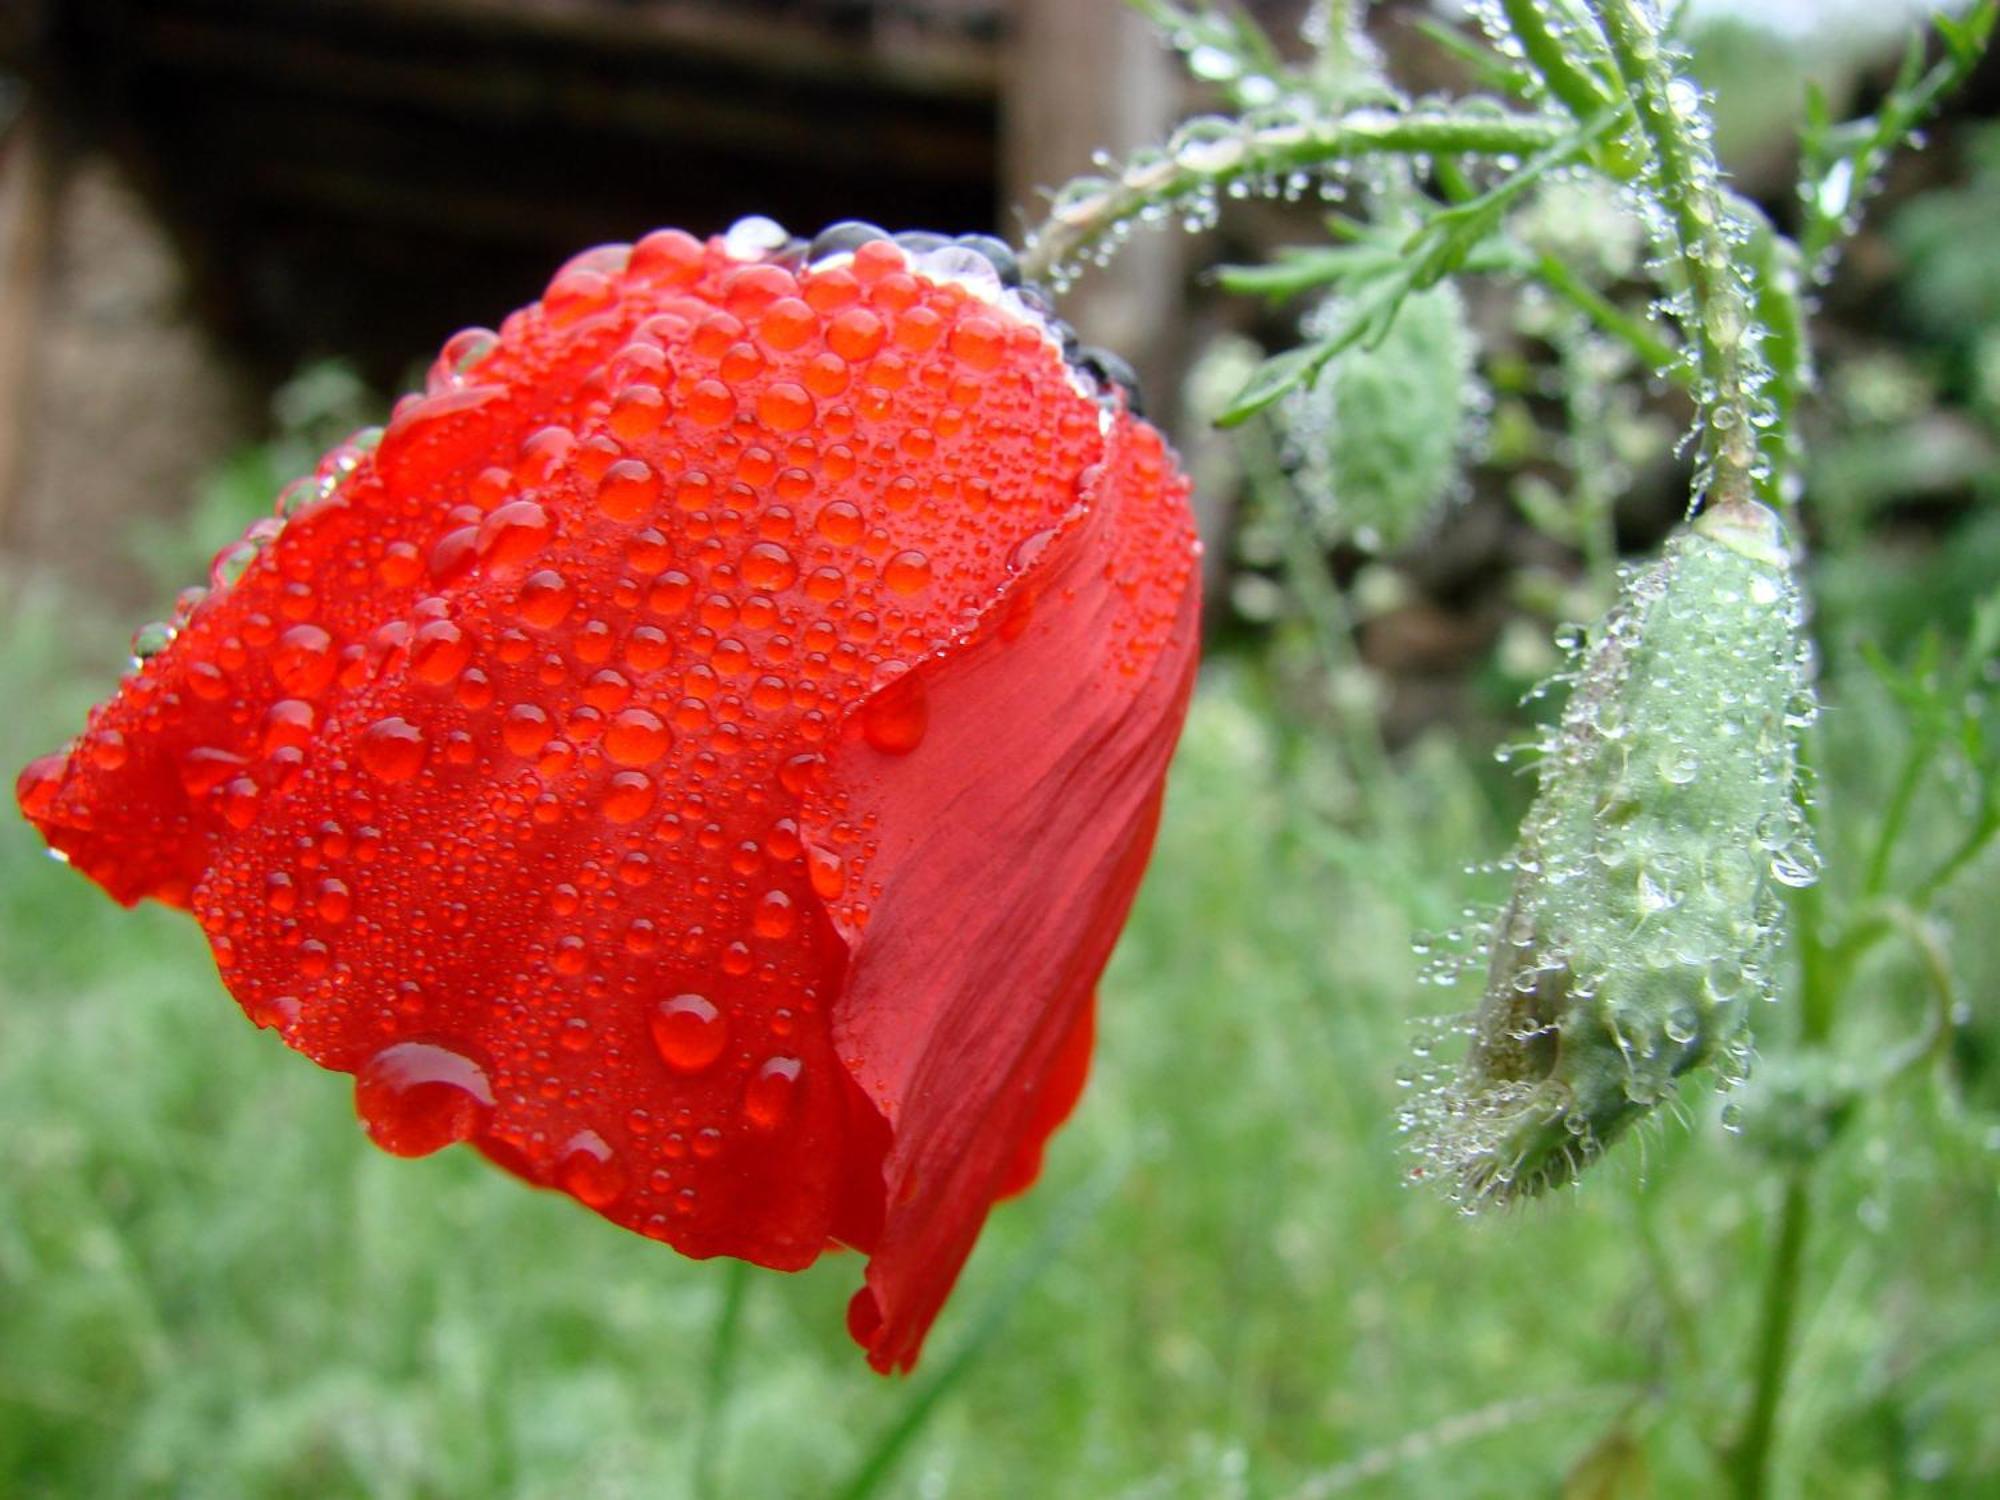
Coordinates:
1636 333
1914 97
1074 225
1909 782
1338 65
1975 843
1777 278
1936 966
1359 729
719 1377
1063 1225
1581 93
1750 1457
1720 322
1823 970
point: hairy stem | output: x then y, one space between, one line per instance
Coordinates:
1720 322
1073 227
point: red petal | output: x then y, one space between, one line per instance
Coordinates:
1007 850
592 767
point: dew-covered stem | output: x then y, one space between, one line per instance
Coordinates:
1580 92
1777 275
1685 178
1085 212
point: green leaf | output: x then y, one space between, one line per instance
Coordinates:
1612 1468
1307 268
1064 1223
1277 375
1488 68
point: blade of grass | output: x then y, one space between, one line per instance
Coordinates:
719 1379
1063 1226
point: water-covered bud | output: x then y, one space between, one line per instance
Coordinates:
1646 906
1378 441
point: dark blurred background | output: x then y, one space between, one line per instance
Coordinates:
199 199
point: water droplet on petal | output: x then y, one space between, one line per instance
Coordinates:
392 748
589 1171
416 1098
769 1095
689 1033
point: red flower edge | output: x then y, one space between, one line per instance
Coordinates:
702 753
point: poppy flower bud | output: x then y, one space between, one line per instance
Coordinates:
1647 895
1378 441
700 753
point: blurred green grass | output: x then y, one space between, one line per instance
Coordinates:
211 1286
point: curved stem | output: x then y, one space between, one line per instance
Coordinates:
1721 321
1074 226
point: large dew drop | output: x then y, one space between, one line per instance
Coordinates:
416 1098
689 1033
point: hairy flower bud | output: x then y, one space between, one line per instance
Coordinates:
1646 907
1379 439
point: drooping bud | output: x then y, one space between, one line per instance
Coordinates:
1379 439
1646 907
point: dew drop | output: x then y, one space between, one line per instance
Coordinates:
513 534
775 916
545 599
527 729
589 1172
689 1033
894 719
392 748
908 572
304 662
439 652
785 407
636 737
628 798
769 1095
628 491
417 1097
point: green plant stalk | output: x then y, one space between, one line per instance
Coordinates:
1594 504
1318 595
1777 278
1063 236
1914 97
1339 62
1581 93
719 1378
1659 355
1750 1454
1063 1225
1721 322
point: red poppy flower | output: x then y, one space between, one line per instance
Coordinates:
701 754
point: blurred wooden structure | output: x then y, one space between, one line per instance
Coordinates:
360 177
363 175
